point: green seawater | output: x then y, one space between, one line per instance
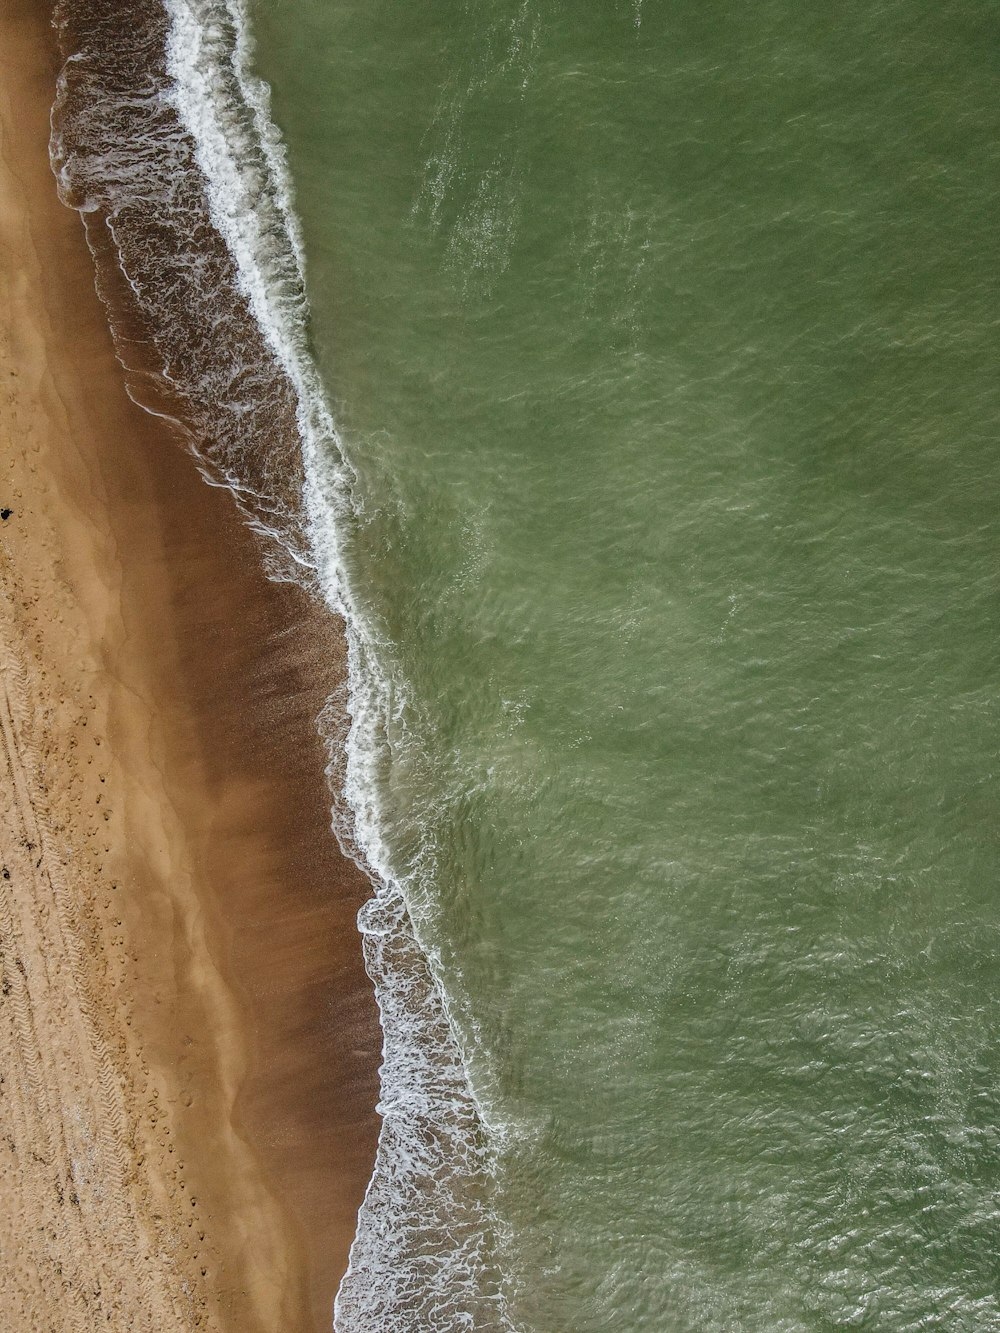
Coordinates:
664 339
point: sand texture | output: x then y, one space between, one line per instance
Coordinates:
188 1042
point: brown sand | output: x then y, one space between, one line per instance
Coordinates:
188 1042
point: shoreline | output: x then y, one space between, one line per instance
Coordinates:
192 919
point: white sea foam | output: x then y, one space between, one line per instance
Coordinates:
425 1251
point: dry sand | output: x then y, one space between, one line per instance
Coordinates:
188 1042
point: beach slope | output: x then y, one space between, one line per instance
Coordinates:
188 1041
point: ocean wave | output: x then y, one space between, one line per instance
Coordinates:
163 141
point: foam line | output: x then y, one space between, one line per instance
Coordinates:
160 133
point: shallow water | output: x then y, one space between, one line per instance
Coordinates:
663 342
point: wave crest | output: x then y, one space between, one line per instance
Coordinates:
162 140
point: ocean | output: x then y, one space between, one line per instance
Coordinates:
625 375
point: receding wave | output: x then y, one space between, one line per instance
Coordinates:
162 140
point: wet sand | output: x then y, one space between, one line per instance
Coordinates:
189 1043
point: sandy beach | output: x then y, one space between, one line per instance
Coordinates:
188 1041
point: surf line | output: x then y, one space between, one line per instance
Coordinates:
166 132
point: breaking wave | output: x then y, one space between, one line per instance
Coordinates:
162 139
